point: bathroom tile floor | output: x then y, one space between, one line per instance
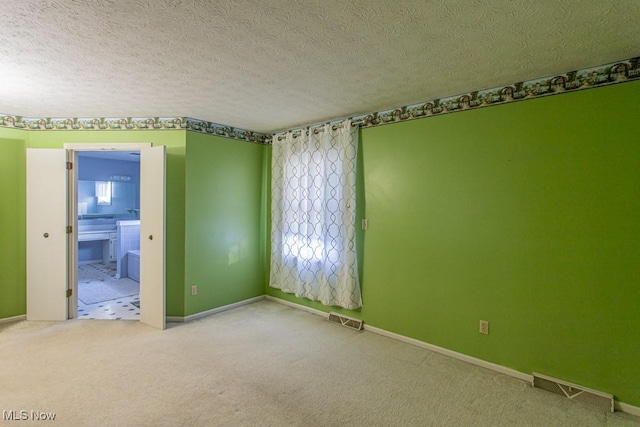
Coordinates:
117 309
121 308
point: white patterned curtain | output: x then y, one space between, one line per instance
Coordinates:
313 214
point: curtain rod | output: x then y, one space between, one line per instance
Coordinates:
317 129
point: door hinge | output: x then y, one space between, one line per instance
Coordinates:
69 292
69 229
69 166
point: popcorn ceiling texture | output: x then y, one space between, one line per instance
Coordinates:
277 64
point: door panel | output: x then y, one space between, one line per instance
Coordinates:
46 234
152 239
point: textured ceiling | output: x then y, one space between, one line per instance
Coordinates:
267 65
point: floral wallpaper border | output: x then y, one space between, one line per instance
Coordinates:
93 123
602 75
226 131
598 76
606 74
130 123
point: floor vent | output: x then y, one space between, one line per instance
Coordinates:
349 322
596 399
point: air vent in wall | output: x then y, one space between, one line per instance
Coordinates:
594 398
349 322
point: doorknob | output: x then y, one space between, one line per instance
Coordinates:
150 237
45 235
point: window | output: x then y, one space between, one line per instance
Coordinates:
313 215
103 192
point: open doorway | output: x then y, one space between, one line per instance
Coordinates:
52 222
107 190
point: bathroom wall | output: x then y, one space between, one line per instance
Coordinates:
91 169
126 194
126 197
97 169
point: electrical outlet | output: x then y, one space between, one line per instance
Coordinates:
484 327
194 290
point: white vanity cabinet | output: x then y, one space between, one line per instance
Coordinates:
100 233
113 246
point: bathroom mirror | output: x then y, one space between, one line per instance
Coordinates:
108 199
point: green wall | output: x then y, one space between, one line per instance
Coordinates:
223 221
175 184
218 197
12 223
525 215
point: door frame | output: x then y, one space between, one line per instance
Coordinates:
72 150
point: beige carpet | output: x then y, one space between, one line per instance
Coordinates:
261 364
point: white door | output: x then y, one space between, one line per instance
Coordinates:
152 227
46 234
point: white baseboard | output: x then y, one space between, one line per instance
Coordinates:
178 319
454 354
13 319
619 406
298 306
625 407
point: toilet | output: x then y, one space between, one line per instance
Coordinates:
133 265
